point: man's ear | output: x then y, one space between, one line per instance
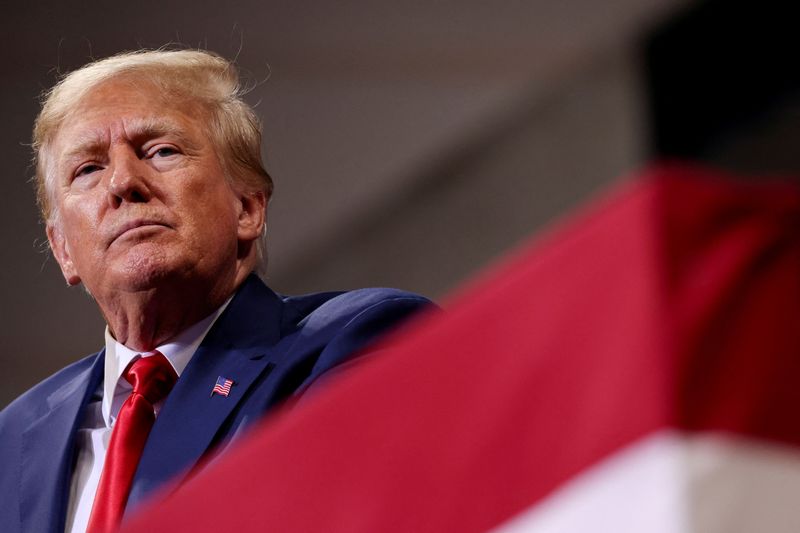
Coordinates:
60 248
252 215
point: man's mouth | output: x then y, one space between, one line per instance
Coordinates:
136 226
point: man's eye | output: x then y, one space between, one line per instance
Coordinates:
87 169
163 151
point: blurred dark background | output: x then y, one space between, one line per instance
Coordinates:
413 143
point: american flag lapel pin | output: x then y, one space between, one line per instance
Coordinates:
222 387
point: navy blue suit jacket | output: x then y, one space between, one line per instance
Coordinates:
271 346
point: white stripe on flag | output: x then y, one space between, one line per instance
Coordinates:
671 483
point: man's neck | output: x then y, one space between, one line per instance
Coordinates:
142 320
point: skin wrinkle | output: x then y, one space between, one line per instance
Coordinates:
93 143
166 96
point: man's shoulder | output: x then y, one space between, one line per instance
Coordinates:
36 397
328 330
338 303
259 314
343 308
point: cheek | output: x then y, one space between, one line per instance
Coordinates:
80 227
212 203
211 217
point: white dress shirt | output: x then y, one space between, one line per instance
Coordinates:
94 434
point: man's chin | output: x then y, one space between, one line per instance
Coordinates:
142 272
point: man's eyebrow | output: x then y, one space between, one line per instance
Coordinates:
156 127
89 143
139 130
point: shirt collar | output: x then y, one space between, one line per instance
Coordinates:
178 351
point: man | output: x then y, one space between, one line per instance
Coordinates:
154 196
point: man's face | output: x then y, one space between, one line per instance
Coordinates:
140 194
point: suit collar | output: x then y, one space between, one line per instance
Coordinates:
178 351
252 319
48 448
237 348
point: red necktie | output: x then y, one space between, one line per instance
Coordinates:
152 378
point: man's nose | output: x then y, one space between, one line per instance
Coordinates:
128 181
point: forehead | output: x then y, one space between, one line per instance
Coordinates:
120 109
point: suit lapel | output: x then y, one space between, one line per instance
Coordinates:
237 348
47 452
